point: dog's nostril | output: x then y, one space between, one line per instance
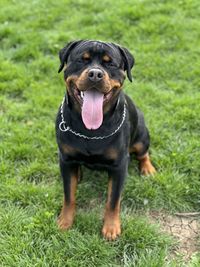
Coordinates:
90 74
100 75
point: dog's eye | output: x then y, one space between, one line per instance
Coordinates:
86 59
83 60
109 63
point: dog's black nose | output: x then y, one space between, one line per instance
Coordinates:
95 75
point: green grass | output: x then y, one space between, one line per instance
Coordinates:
164 39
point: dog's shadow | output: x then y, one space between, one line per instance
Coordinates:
92 188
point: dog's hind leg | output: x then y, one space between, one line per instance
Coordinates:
142 155
145 165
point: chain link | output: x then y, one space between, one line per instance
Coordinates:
64 128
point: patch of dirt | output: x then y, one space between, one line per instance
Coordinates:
184 227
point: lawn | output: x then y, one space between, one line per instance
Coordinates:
164 38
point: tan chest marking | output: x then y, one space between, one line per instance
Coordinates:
66 149
112 153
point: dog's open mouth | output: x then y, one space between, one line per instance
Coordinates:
79 95
92 102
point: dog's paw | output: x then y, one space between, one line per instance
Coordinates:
145 165
111 231
64 222
147 169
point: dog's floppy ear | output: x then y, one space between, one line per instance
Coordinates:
64 53
128 61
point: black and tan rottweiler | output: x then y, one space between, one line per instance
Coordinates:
97 125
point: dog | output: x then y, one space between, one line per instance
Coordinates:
98 126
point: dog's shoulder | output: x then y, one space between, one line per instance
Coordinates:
132 110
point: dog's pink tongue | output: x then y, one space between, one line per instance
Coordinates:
92 109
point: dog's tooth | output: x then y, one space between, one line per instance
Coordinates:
82 94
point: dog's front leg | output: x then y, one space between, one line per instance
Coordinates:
69 172
112 226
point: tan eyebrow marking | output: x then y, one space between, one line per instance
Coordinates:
106 58
86 55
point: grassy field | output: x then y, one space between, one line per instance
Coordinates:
164 38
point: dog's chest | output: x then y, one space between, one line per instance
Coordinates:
92 154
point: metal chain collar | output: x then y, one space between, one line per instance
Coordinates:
64 128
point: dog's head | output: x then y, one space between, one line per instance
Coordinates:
94 72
